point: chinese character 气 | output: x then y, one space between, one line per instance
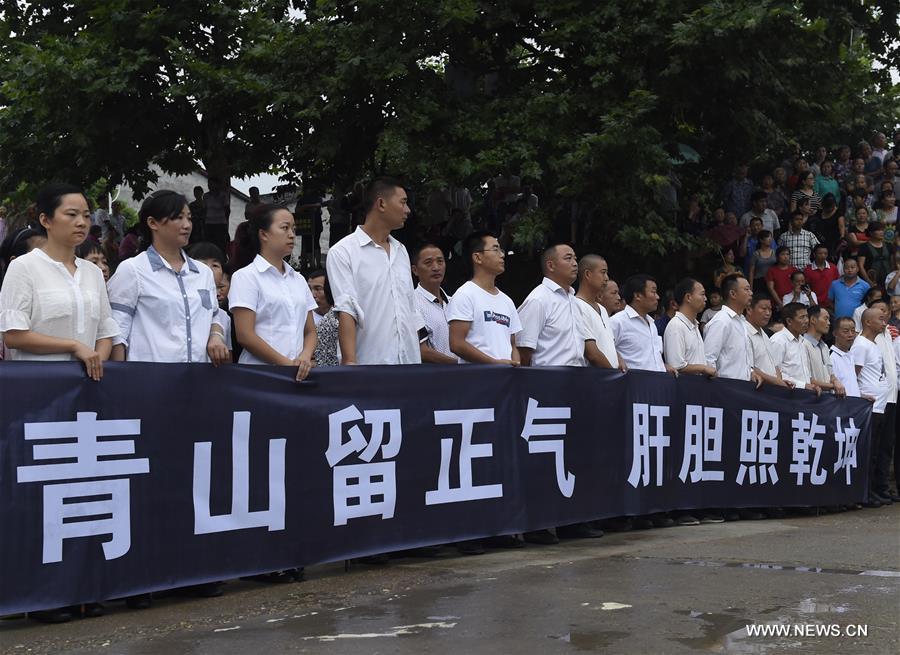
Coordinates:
646 440
467 490
702 443
110 498
759 447
556 447
370 488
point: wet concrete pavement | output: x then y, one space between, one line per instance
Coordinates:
676 590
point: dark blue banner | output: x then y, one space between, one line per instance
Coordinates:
166 475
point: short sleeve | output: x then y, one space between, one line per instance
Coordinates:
532 315
124 291
244 292
16 298
343 286
108 327
461 308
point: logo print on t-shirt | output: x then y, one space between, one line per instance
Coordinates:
494 317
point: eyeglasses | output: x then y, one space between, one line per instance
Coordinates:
491 249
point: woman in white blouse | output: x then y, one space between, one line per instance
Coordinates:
53 305
270 302
163 301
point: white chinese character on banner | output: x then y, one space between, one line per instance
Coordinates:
702 443
556 447
240 517
805 433
110 499
466 418
846 439
759 447
368 489
645 441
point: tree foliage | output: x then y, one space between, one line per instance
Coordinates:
591 99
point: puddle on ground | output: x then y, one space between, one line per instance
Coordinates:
591 641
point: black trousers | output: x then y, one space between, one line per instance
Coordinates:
874 449
882 481
897 450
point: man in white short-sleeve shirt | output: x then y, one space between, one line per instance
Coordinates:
842 363
788 350
682 341
552 332
727 343
756 319
637 340
593 277
370 278
429 267
483 320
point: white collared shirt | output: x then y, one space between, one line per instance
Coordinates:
761 350
727 344
844 369
375 288
551 326
163 316
595 322
683 343
792 357
637 340
282 303
39 294
434 313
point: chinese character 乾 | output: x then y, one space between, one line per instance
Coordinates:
564 480
759 447
467 490
240 517
368 489
805 433
702 443
846 439
645 441
114 504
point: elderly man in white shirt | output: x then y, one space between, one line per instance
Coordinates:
637 339
727 343
682 341
593 276
552 334
429 267
788 350
369 273
841 358
819 353
756 319
888 435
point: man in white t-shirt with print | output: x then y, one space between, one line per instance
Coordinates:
483 320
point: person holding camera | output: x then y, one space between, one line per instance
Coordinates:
801 292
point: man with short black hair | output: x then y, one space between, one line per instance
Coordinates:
819 353
682 341
611 299
429 267
842 364
820 274
369 273
885 345
801 291
800 241
637 341
552 332
727 343
847 292
768 218
756 320
787 347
